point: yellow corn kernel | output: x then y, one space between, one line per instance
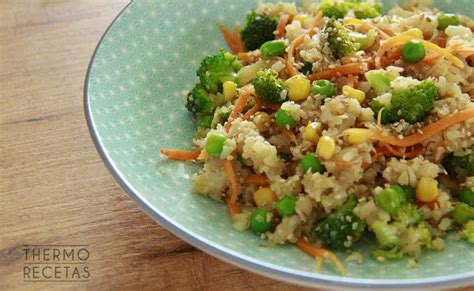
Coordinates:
263 197
229 90
427 189
262 121
350 92
299 87
356 136
326 147
312 131
416 32
301 18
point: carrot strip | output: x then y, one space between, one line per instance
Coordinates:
252 111
320 253
426 133
239 44
234 208
351 80
290 67
229 38
180 155
259 180
282 22
238 108
229 171
355 68
317 21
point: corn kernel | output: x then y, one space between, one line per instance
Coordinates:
263 197
350 92
416 32
312 131
356 136
326 147
229 90
262 121
299 87
427 189
301 18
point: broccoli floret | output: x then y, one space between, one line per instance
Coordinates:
306 69
258 29
339 8
408 216
341 229
467 231
393 254
268 87
199 101
221 115
217 69
340 41
407 234
364 10
410 104
463 213
386 234
459 166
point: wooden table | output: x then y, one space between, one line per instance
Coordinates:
54 189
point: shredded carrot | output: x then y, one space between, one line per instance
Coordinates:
238 108
282 22
229 171
402 39
425 133
398 153
180 155
229 38
290 63
471 94
291 51
392 56
252 111
259 180
238 41
355 68
234 208
317 21
320 253
351 80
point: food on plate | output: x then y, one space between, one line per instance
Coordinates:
330 121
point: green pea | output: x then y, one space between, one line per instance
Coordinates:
466 195
310 161
400 192
413 52
390 200
272 48
284 118
259 221
463 213
215 144
445 20
324 88
286 206
204 121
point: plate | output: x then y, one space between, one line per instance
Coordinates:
133 106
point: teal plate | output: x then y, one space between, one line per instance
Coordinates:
133 105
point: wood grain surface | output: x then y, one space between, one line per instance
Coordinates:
54 188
